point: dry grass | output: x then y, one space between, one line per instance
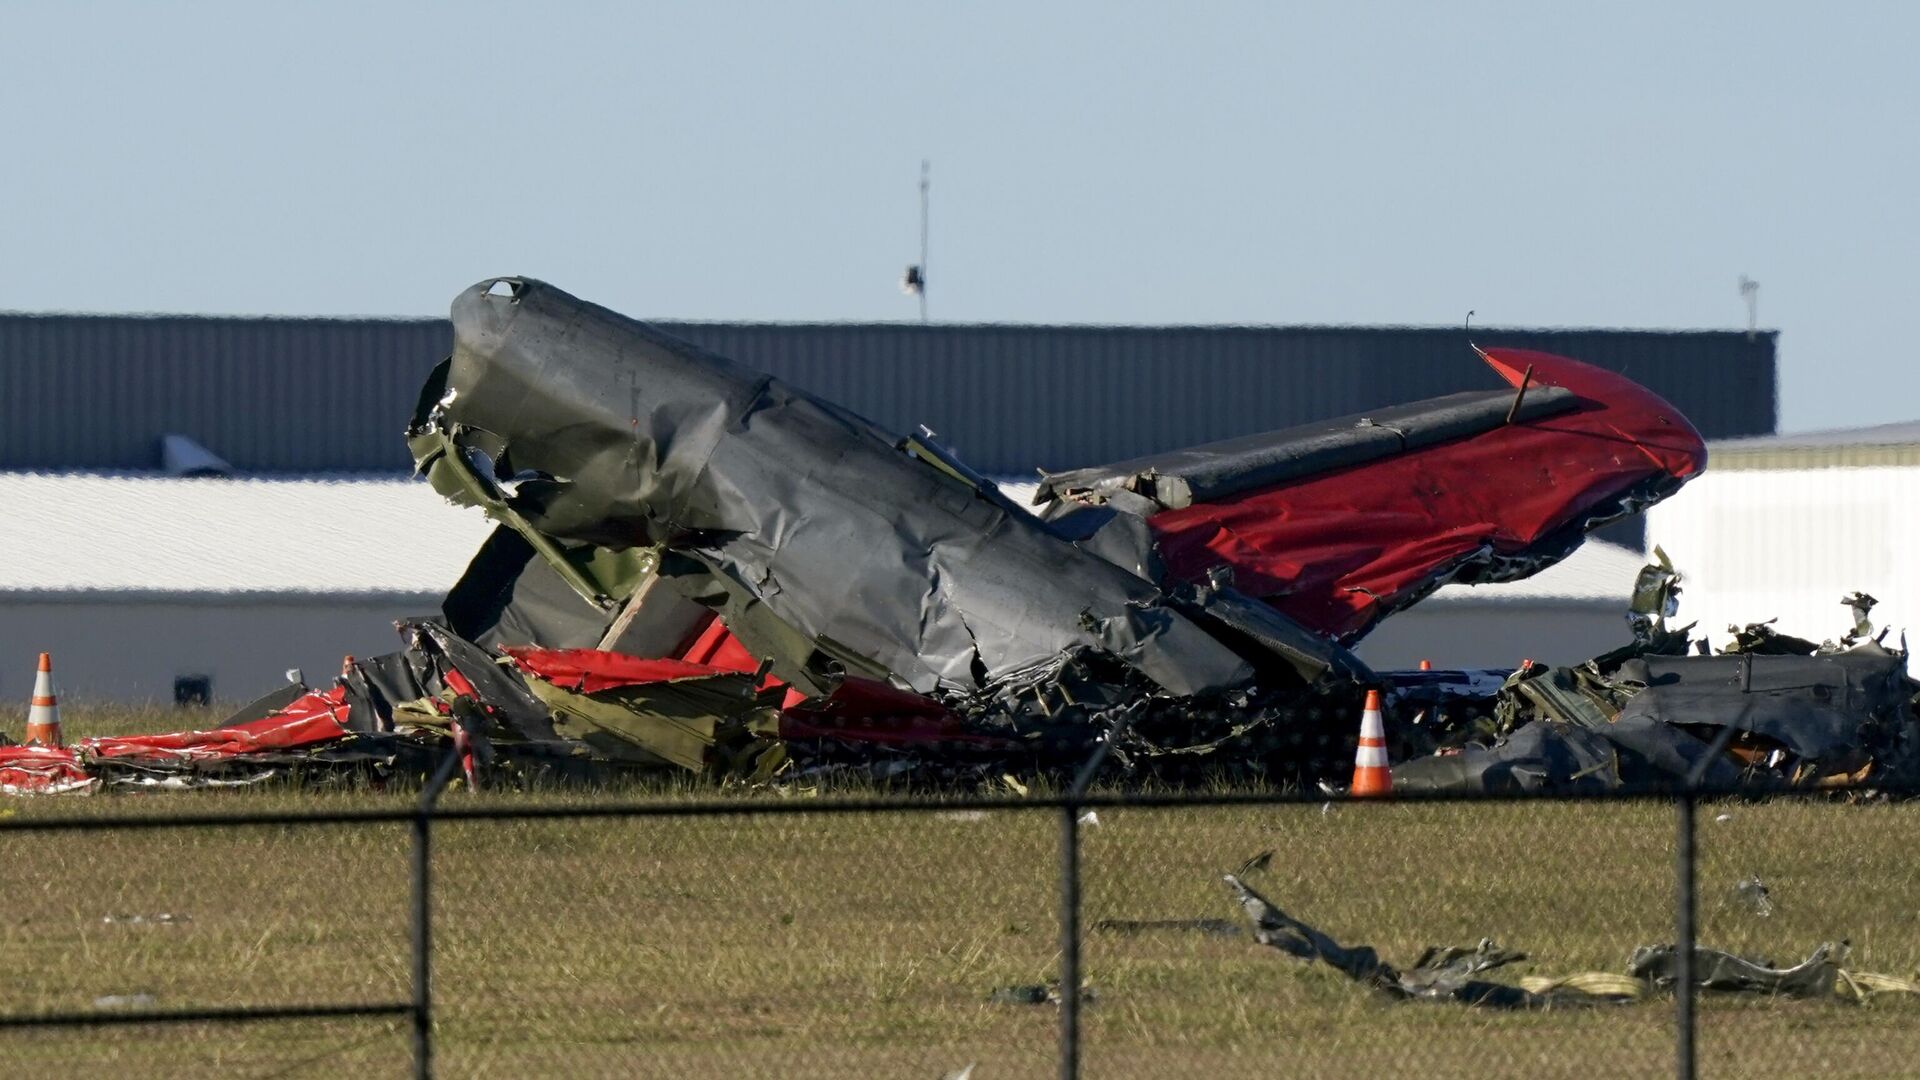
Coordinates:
835 946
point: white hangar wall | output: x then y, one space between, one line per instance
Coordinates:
1753 544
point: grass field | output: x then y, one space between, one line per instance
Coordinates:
838 946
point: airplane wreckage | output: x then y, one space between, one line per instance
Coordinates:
699 567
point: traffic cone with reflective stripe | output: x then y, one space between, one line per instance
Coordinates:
1370 773
43 716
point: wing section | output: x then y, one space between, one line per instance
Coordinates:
1339 524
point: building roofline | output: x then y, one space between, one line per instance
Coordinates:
428 601
909 324
1878 445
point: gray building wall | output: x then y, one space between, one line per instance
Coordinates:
323 395
1496 634
130 649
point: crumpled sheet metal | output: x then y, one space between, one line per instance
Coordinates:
314 718
1494 507
1543 756
509 595
601 430
704 699
436 669
1440 974
1648 716
307 722
1555 757
1450 973
1819 976
44 770
1814 706
1714 969
713 721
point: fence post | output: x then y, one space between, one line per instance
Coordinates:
1684 804
1683 911
423 916
1069 941
1070 894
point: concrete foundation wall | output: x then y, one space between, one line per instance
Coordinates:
131 651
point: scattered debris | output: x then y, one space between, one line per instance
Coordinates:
1772 711
1441 973
1449 973
1751 893
1656 597
164 918
1256 865
1207 927
1716 970
1036 994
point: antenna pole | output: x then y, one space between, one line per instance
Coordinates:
926 169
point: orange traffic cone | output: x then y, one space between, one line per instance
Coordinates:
1371 776
43 716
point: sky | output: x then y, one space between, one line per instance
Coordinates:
1542 164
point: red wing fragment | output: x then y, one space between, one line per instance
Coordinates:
317 717
1340 550
590 671
859 710
43 770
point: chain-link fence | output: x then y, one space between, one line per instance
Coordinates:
681 936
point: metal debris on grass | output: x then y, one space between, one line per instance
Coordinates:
1451 973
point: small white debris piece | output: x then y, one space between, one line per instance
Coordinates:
165 918
1722 819
124 1001
1090 818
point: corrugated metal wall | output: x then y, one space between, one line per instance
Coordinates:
288 395
271 395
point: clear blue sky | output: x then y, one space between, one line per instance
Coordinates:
1617 164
